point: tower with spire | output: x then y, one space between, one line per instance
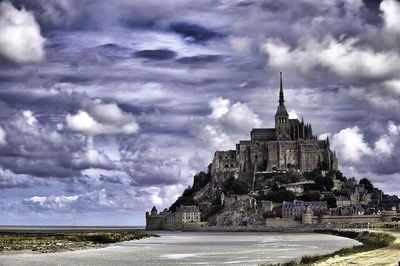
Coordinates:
282 125
289 146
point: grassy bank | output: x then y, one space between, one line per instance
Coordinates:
56 242
369 240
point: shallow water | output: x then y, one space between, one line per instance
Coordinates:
195 248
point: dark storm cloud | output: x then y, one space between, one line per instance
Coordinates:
36 149
193 32
9 180
37 167
371 13
34 145
157 54
199 59
113 51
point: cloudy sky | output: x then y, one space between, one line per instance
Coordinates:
109 107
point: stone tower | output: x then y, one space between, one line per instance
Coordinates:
154 211
282 125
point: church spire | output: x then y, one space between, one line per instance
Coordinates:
281 98
281 107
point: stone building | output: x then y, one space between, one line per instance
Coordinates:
359 195
342 201
154 220
296 189
166 220
295 209
291 145
315 212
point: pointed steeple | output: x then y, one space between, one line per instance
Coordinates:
281 98
282 125
281 112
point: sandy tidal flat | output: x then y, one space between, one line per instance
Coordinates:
195 248
385 256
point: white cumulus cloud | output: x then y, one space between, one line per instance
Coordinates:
91 158
3 140
351 146
101 119
393 128
219 107
240 44
20 37
293 114
344 58
227 123
390 13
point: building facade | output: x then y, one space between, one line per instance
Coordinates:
166 220
295 209
291 145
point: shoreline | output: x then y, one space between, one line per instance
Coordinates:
357 255
390 255
380 247
35 242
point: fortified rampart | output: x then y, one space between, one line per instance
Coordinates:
385 216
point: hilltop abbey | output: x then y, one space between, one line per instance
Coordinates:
282 177
291 145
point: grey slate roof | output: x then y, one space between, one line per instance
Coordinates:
191 208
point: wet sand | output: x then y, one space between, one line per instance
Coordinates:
389 255
194 248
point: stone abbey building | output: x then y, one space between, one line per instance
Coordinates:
291 145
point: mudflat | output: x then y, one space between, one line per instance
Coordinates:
194 248
57 241
389 255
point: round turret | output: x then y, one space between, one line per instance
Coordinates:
154 211
306 216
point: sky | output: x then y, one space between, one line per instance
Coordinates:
110 107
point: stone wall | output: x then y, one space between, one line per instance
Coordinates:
352 219
154 222
194 226
281 222
224 161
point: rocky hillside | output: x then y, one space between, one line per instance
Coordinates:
225 199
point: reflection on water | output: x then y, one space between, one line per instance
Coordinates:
196 248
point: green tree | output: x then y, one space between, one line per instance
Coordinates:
200 180
341 192
311 196
336 174
238 186
324 183
313 174
367 184
185 199
340 176
279 196
331 201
